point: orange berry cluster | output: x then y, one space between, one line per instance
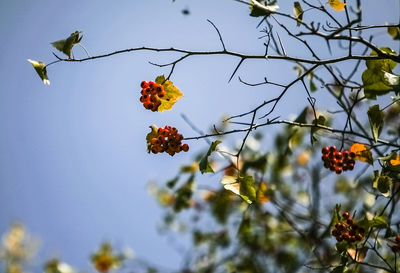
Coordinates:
151 94
168 140
347 230
396 247
338 161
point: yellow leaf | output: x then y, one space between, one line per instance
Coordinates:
363 153
337 5
395 162
173 94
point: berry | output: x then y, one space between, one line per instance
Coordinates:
347 230
151 94
337 161
167 140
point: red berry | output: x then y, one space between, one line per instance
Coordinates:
185 147
144 84
325 150
332 149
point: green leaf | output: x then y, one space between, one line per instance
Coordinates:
374 79
383 64
298 13
247 188
321 121
382 183
204 164
302 118
40 69
378 222
66 45
152 134
375 117
338 269
261 8
394 32
173 94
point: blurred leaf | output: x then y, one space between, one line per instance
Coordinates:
361 253
298 13
258 164
321 121
261 8
338 269
221 205
375 117
171 183
394 32
247 188
302 118
40 69
363 153
337 5
378 222
204 164
262 193
190 168
183 195
173 94
152 134
242 186
66 45
104 260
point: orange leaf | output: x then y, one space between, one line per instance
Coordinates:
337 5
363 153
361 253
262 195
395 162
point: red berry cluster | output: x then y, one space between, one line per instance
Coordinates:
347 230
338 161
396 247
168 140
151 94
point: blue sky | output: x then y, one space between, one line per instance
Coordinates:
74 168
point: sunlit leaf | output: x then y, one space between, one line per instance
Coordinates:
391 80
40 69
247 188
337 5
298 12
375 117
375 81
204 164
257 8
363 153
394 32
242 186
361 253
152 134
66 45
56 266
173 94
378 222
